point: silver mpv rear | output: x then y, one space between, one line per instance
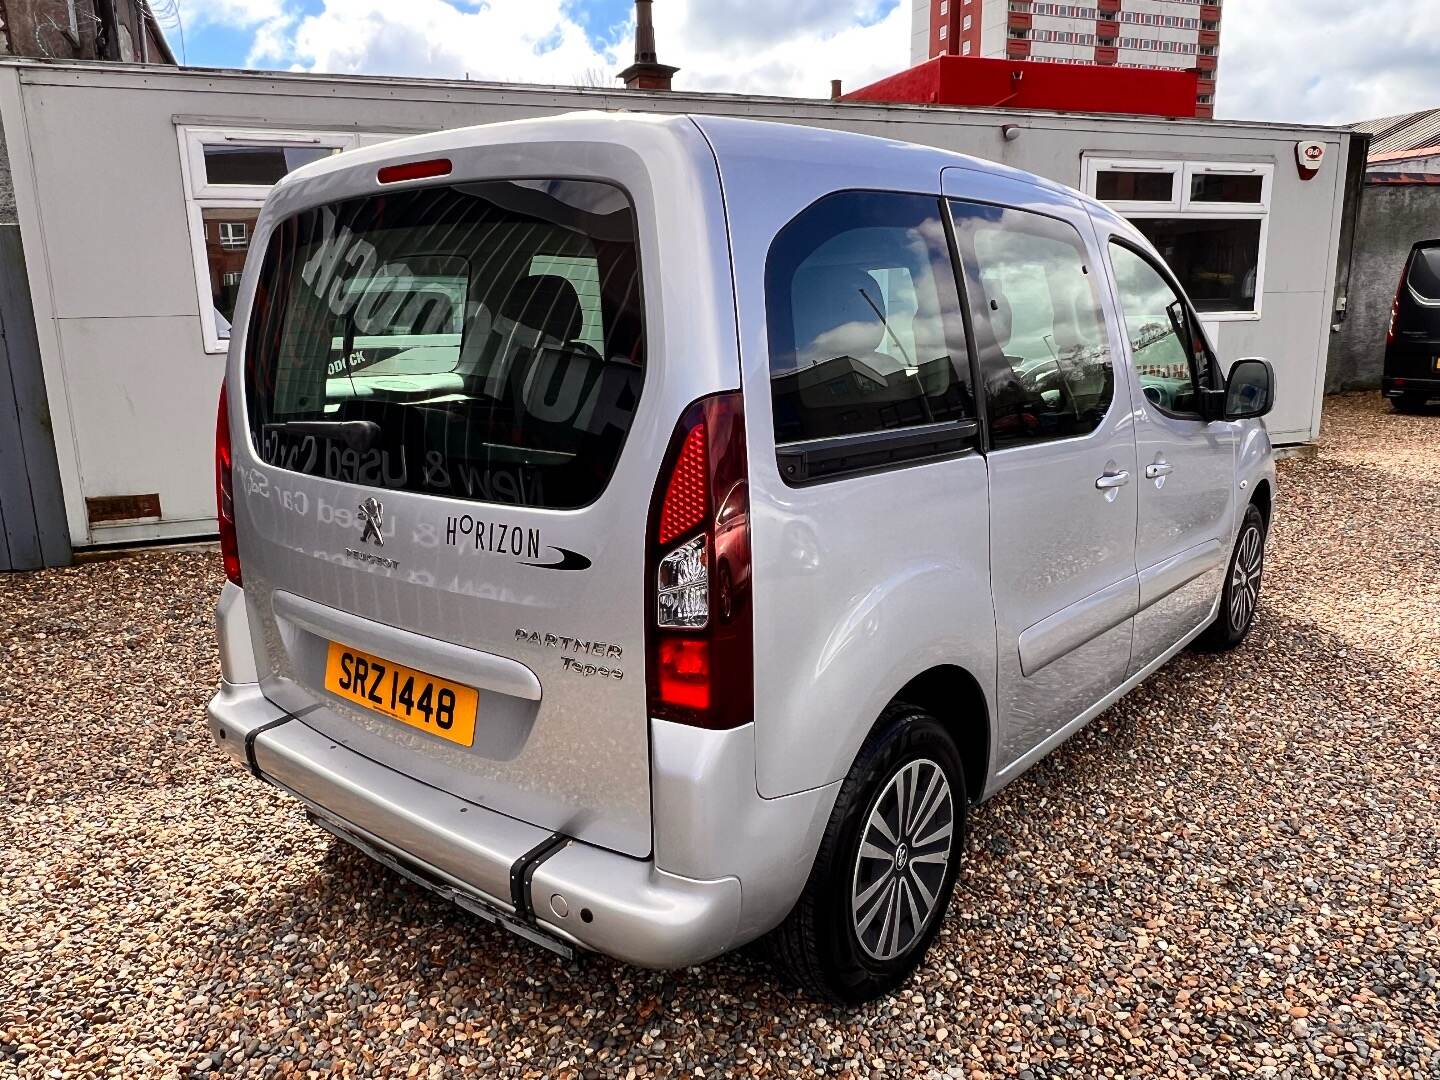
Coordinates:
652 532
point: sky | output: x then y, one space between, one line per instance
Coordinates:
1311 61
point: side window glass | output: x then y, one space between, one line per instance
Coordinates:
1045 354
1157 326
864 319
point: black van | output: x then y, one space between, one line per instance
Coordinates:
1412 344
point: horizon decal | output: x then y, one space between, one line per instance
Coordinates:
467 533
569 560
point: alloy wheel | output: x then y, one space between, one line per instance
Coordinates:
903 858
1245 578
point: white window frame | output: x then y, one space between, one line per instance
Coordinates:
1181 205
201 195
244 237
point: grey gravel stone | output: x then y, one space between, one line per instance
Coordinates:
1234 872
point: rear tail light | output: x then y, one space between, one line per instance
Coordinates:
225 491
700 667
1395 304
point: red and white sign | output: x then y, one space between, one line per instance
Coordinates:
1310 156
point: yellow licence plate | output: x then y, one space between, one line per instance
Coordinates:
423 701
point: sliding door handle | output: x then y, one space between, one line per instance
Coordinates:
1112 480
1157 470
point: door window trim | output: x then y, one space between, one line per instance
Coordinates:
967 319
1182 207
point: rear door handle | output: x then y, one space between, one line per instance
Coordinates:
1158 469
1112 480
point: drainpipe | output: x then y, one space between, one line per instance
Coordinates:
107 41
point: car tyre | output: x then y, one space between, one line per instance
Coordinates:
1409 403
1241 594
886 867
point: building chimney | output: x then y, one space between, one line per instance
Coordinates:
646 73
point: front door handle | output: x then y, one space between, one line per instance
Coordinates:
1158 469
1112 480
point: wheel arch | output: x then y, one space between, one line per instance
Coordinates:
955 698
1262 500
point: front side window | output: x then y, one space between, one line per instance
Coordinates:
864 319
482 341
1044 353
1157 327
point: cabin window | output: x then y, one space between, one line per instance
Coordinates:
1208 220
227 173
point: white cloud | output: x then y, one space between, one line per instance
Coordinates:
739 46
236 14
1328 61
508 40
794 48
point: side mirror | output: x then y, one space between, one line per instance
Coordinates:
1250 390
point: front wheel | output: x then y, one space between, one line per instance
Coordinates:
886 867
1241 594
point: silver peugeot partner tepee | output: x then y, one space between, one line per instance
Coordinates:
652 532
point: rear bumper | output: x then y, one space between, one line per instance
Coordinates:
557 891
1401 386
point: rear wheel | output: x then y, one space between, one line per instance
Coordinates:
1409 403
1241 594
886 867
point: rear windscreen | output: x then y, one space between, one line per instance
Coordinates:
483 341
1425 272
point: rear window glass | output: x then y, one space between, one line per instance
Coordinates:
483 341
1425 272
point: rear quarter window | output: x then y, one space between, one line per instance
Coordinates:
482 341
1425 273
865 329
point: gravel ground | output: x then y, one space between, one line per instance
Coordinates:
1234 872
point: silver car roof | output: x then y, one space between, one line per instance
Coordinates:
831 158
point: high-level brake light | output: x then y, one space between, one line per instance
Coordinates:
414 170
